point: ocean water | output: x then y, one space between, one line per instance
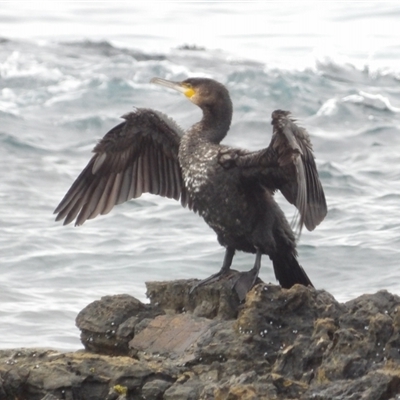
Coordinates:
68 71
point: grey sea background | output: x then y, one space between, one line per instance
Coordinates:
68 71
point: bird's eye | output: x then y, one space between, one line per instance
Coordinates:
188 85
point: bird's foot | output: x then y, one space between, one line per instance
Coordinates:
213 278
244 282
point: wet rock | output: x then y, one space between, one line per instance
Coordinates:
186 391
107 325
209 301
278 344
172 335
155 389
34 374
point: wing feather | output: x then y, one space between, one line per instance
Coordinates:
155 181
112 198
288 165
146 170
125 185
140 155
178 189
89 200
132 190
171 179
101 197
163 175
292 141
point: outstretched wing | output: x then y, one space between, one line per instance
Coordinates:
137 156
303 188
288 165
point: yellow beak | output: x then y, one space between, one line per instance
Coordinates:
188 91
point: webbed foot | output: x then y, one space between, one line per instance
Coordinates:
225 270
244 282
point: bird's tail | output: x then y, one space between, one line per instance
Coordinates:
288 271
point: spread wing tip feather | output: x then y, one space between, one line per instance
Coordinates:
140 155
310 199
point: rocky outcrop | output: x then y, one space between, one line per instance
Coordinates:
278 344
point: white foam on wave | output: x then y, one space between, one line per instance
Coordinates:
376 101
22 65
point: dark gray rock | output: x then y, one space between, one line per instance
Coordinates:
107 325
155 389
210 301
184 391
278 344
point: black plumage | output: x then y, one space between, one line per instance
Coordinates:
232 189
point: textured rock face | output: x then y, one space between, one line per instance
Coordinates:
107 325
279 344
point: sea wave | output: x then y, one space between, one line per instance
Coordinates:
59 95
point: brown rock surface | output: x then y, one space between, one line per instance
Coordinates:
279 344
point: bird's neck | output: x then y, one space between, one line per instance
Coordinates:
215 122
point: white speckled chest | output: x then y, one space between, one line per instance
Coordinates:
217 194
198 162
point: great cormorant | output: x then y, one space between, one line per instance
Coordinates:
232 189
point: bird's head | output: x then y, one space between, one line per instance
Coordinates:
203 92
